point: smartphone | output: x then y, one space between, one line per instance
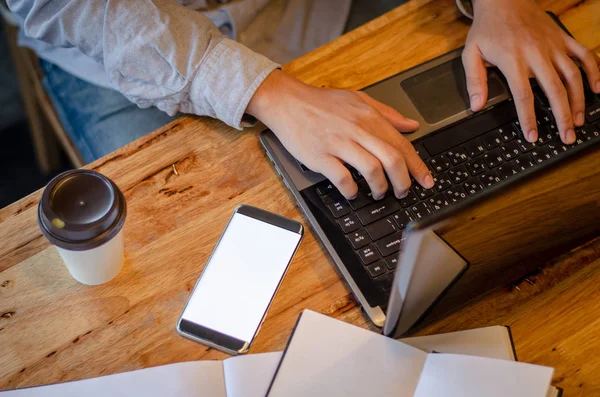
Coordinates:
235 290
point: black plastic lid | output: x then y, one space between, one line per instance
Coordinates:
81 210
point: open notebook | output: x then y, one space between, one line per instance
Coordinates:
241 376
327 357
251 375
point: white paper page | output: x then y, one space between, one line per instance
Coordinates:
250 376
452 375
492 342
190 379
327 357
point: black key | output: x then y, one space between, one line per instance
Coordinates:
553 128
349 223
507 170
473 186
540 96
555 148
381 228
363 185
403 218
490 178
508 132
543 117
359 239
326 188
439 163
420 210
339 208
377 269
589 132
390 244
459 174
540 154
421 151
356 175
474 148
378 210
525 146
476 166
592 112
522 163
392 262
491 140
368 254
469 129
544 136
493 158
442 182
409 200
421 192
438 202
456 194
590 96
385 282
330 198
510 150
457 155
362 200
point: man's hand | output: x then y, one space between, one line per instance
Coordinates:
326 128
520 39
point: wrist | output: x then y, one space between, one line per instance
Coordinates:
478 4
268 94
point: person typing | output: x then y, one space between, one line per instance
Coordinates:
160 54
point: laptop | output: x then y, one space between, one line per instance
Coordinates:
463 237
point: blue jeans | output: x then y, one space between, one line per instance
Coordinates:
98 120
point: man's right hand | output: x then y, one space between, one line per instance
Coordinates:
326 128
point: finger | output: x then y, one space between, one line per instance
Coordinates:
555 90
339 175
588 59
572 77
476 74
393 164
396 119
399 159
367 164
520 87
416 167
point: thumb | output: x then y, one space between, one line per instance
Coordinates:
476 74
394 117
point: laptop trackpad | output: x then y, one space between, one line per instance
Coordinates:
441 92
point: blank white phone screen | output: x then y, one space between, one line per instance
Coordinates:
241 277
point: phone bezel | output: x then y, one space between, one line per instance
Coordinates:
216 339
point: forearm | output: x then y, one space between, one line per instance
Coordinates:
156 52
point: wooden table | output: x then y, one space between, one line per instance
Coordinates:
182 183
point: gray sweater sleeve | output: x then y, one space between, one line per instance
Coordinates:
155 52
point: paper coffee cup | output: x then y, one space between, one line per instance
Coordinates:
82 213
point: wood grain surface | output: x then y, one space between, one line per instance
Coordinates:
182 183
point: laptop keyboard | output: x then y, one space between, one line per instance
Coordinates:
463 162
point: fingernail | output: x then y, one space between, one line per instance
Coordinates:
597 87
579 119
570 137
532 136
428 182
402 195
412 121
475 101
353 197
